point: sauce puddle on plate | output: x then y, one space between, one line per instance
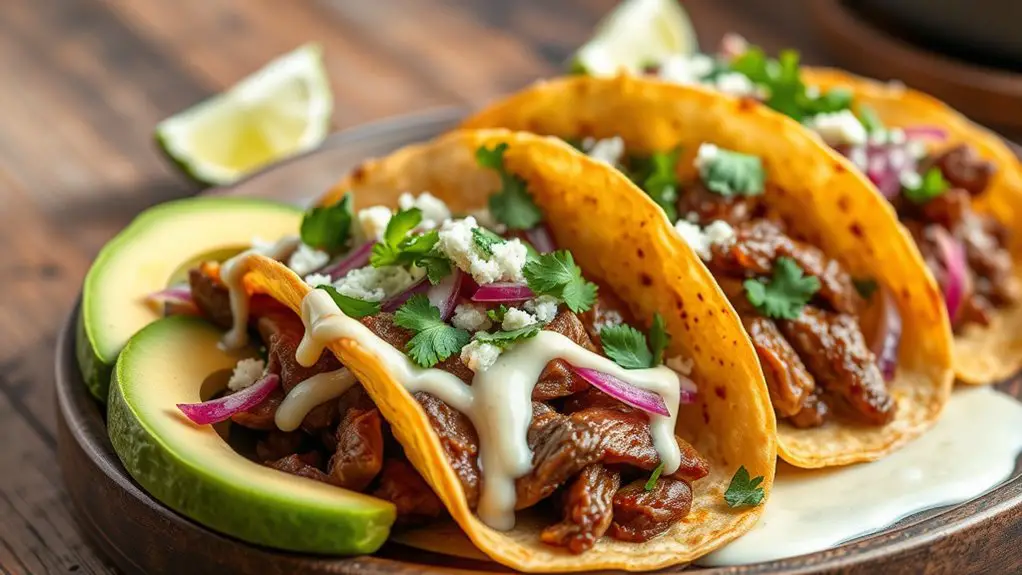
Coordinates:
971 449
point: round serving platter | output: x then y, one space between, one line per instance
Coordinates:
141 536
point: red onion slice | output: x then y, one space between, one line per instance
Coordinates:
624 392
420 285
221 409
952 255
503 292
689 391
174 300
540 238
887 338
357 258
925 132
444 295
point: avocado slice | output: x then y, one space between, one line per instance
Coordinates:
191 469
149 254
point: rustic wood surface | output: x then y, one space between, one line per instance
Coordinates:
85 81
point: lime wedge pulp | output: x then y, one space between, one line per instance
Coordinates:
635 33
282 109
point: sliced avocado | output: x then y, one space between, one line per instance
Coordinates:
148 255
191 469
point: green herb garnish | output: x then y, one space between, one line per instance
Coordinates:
657 175
628 346
512 205
786 92
327 228
434 340
503 339
397 248
496 314
785 294
731 173
484 239
870 120
653 478
555 274
351 306
658 339
744 490
931 185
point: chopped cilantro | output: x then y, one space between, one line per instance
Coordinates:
868 118
397 248
744 490
555 274
485 240
512 205
496 314
351 306
658 339
657 175
930 186
327 228
503 339
626 346
434 340
866 287
786 92
731 173
653 478
785 294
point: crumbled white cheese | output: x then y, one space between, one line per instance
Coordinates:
896 136
705 156
916 148
838 128
910 179
246 372
543 307
609 150
692 217
374 221
486 220
377 284
457 243
470 317
434 211
479 356
307 259
318 280
610 317
735 84
516 318
682 365
718 232
683 69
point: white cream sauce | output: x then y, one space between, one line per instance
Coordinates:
499 400
971 449
310 393
233 271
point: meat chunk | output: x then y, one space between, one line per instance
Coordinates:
402 485
757 246
459 440
358 456
299 465
640 515
833 348
813 413
211 298
587 509
709 207
278 444
261 416
608 309
557 378
962 167
786 376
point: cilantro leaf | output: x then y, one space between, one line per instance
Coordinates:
653 478
731 173
512 205
351 306
485 240
555 274
626 346
930 186
868 118
744 490
387 252
327 227
785 294
496 314
866 287
434 340
503 339
657 176
782 80
658 339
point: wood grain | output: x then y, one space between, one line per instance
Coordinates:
85 81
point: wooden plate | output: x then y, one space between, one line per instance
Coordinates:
871 46
142 536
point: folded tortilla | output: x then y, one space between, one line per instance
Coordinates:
818 193
622 239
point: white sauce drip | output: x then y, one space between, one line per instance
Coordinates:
970 450
310 393
499 400
233 271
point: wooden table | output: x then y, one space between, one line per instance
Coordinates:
85 81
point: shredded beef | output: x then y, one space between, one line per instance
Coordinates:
358 455
787 378
211 298
640 515
587 509
962 167
402 485
710 206
813 413
608 309
301 466
459 440
261 416
557 378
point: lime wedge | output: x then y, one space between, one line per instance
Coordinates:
280 110
635 33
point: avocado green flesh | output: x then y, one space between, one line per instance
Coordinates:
147 256
191 469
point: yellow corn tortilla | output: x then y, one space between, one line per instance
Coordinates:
731 423
818 193
982 354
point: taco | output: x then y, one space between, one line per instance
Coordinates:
545 368
848 324
956 186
